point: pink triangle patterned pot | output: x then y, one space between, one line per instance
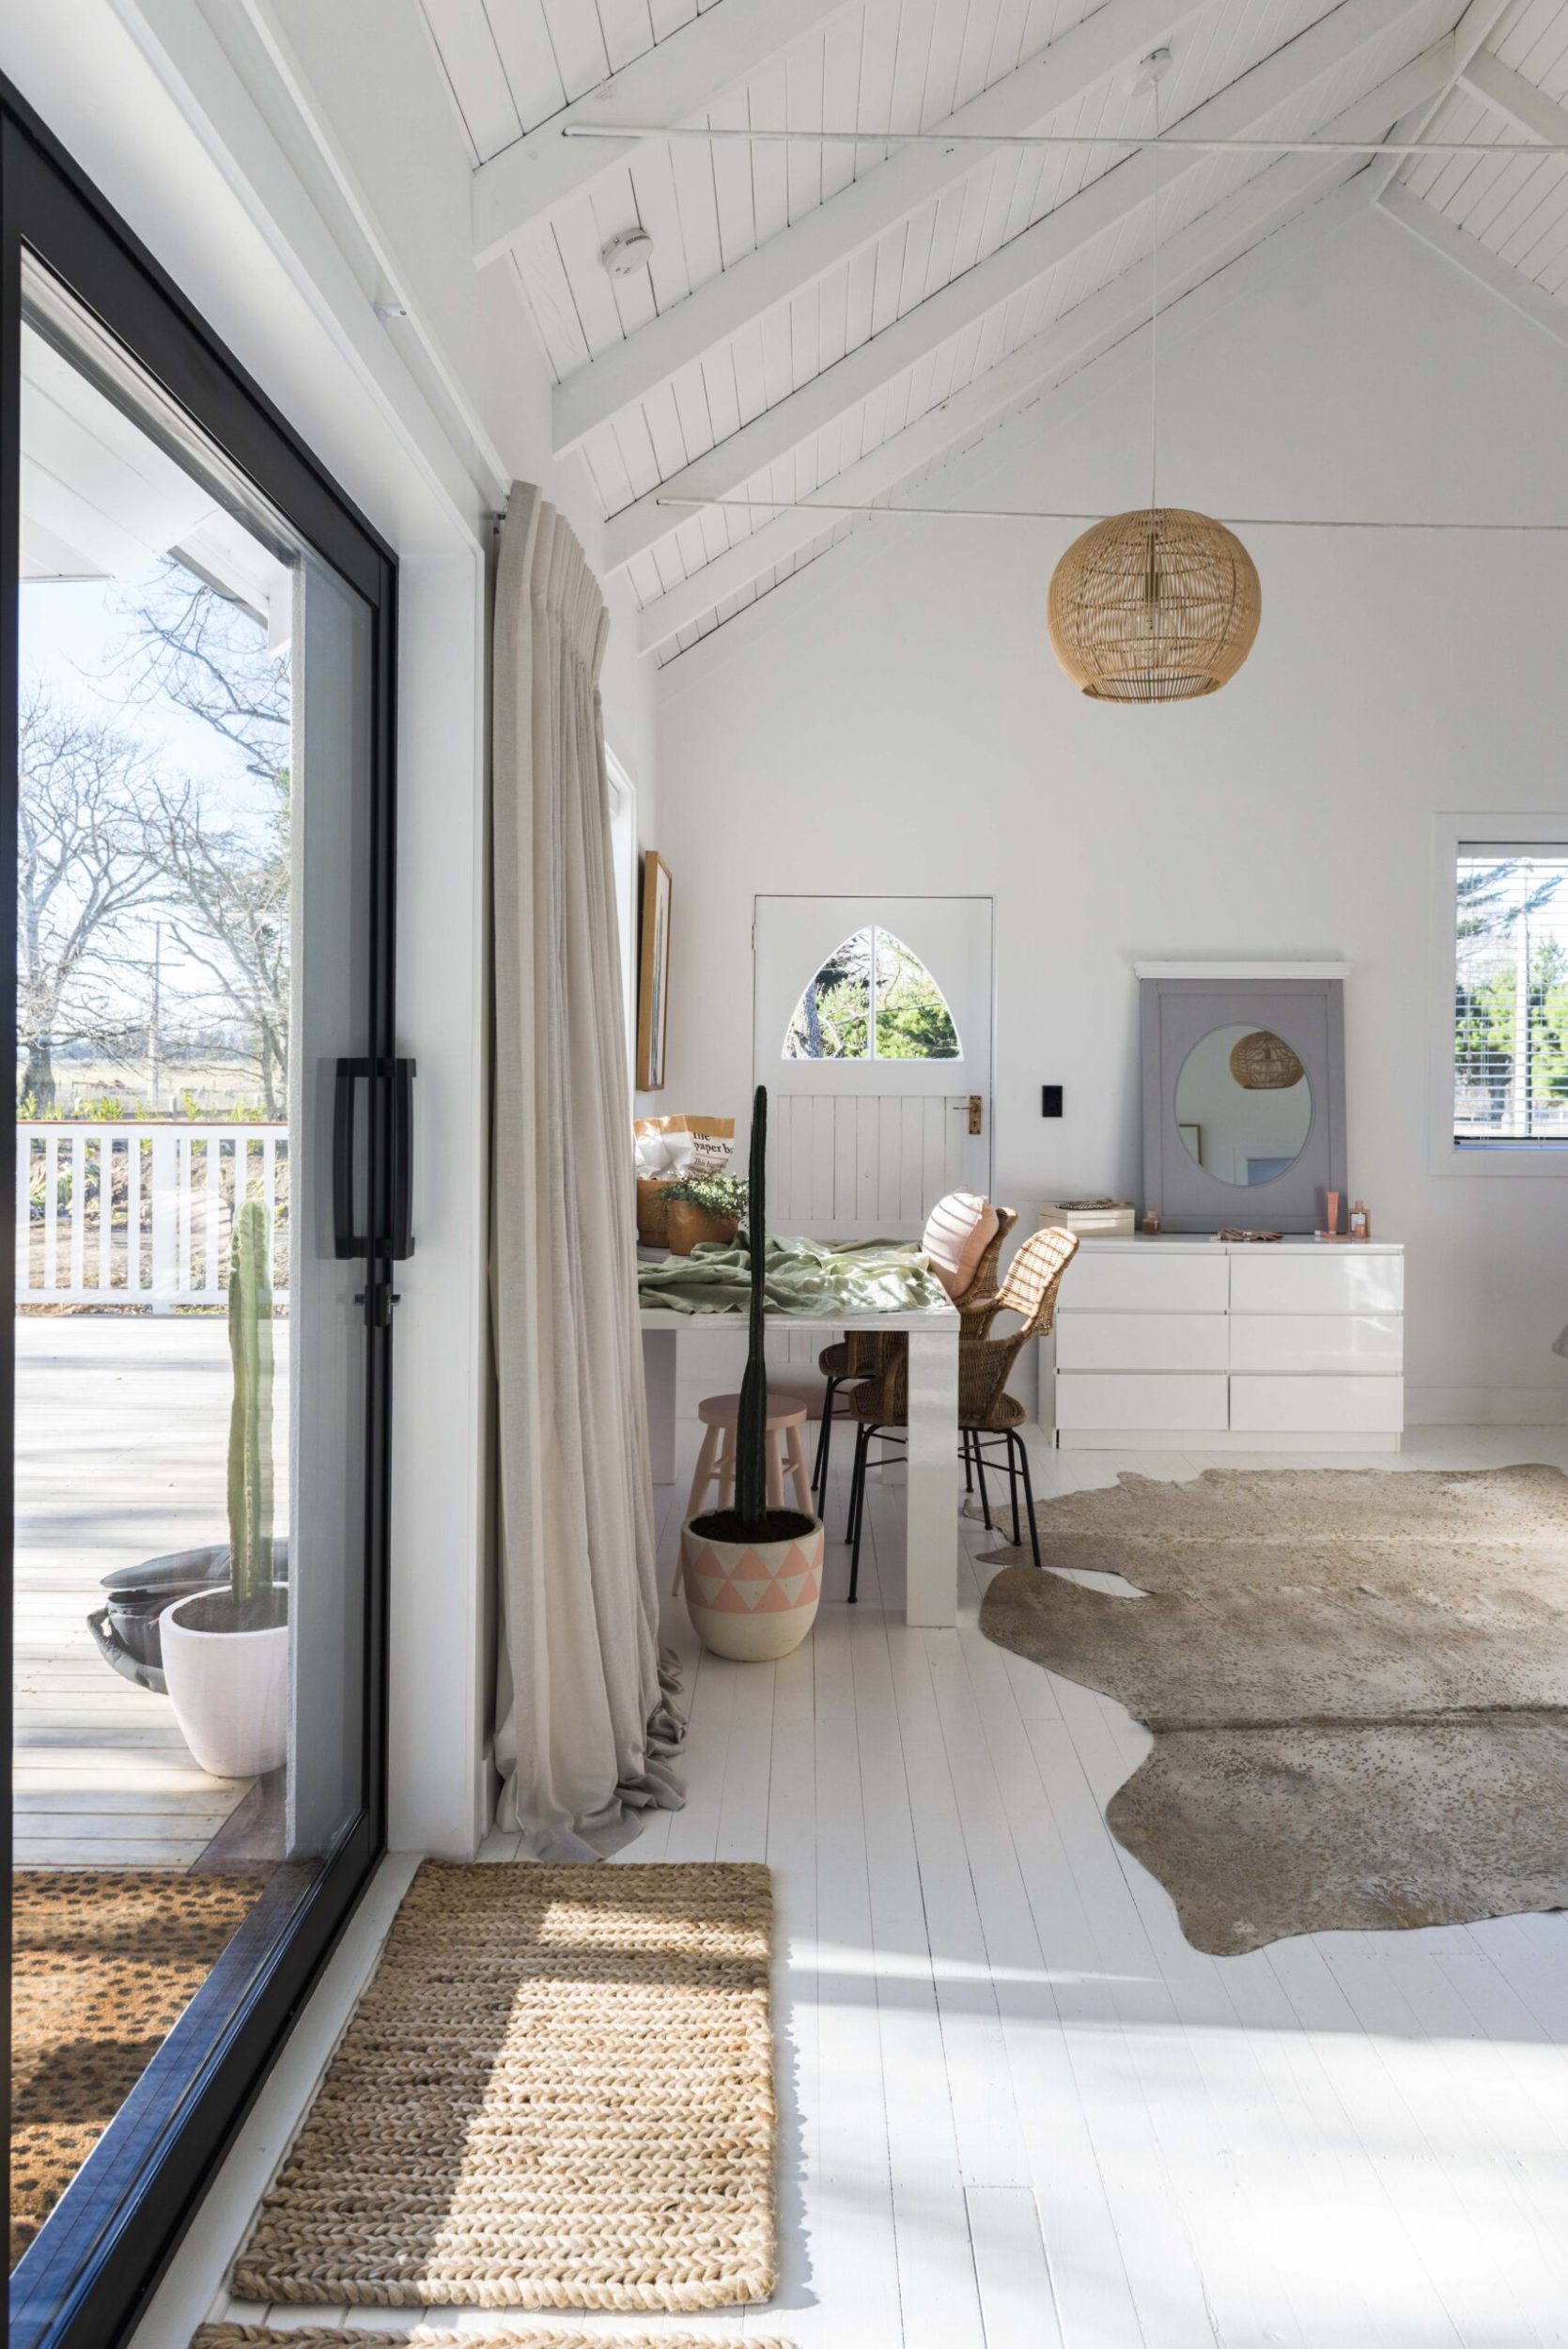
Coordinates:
752 1601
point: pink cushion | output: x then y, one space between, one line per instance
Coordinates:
962 1227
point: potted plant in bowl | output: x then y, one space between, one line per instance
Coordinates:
701 1207
753 1575
225 1649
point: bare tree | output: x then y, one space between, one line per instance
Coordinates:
227 903
84 864
228 883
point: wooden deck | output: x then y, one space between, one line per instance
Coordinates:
123 1426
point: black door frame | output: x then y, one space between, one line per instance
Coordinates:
86 2280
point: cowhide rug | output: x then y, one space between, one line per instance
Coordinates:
1356 1681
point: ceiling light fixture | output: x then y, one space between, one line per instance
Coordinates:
1160 604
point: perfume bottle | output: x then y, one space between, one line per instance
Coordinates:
1360 1222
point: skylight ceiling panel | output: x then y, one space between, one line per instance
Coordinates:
528 59
471 66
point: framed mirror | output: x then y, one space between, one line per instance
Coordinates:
1243 1093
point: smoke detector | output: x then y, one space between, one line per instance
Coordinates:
628 252
1151 68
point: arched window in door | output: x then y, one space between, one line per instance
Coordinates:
873 999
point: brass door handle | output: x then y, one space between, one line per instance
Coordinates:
977 1113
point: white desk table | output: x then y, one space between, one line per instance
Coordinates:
931 1540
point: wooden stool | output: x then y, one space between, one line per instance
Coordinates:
787 1416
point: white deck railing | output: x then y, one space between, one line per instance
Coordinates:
140 1215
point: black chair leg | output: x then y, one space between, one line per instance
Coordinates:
857 1482
969 1464
824 1442
980 1472
1013 1482
862 1446
1029 1499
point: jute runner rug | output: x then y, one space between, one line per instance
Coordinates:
1357 1682
104 1962
556 2092
331 2337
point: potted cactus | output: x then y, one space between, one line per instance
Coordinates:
753 1575
225 1650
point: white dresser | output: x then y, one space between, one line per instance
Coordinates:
1198 1345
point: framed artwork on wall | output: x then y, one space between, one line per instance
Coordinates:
653 979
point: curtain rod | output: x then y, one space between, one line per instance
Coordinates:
948 140
1041 514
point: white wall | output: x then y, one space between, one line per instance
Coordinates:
894 721
291 166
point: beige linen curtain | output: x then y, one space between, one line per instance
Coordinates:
585 1729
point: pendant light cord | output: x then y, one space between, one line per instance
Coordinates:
1154 321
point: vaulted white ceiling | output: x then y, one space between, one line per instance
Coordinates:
835 321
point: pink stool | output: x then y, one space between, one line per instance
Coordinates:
787 1416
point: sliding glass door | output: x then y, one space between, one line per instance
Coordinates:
210 1198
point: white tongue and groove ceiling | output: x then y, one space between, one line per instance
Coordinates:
838 320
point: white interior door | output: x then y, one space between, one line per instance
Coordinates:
873 1034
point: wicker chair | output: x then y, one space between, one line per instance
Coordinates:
987 1414
865 1353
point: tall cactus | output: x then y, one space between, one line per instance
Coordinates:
250 1424
750 1434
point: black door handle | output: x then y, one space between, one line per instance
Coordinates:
346 1240
400 1242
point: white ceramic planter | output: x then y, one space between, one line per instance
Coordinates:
229 1689
752 1601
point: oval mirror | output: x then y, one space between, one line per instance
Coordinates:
1243 1105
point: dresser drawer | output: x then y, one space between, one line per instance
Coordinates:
1341 1281
1142 1281
1317 1407
1141 1342
1111 1399
1352 1344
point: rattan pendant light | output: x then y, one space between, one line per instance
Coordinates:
1264 1063
1161 604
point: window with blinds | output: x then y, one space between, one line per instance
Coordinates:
1510 995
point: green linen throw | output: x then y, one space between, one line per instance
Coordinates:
804 1276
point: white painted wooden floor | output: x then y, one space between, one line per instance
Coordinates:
121 1449
1018 2110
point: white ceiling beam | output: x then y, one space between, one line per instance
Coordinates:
1100 206
1478 262
1518 102
1480 21
1236 227
675 81
1116 37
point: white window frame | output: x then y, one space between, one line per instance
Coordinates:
624 846
872 1057
1540 827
